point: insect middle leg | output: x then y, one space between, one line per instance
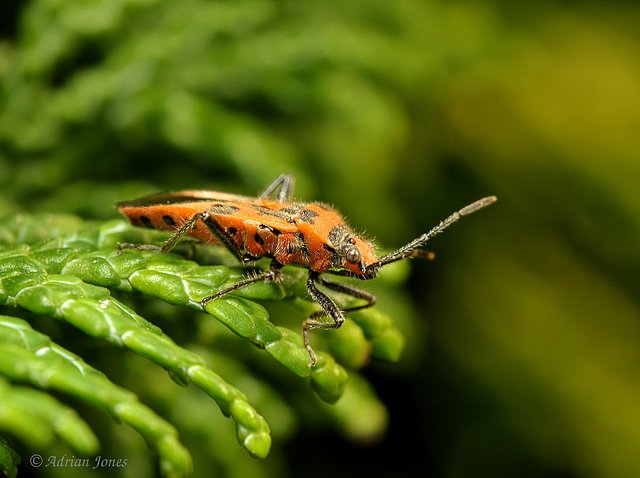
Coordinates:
329 307
271 275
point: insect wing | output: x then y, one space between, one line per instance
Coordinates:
248 222
179 197
168 217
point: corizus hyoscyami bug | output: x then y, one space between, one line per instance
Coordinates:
310 235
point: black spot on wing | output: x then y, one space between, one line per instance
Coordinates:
168 220
146 222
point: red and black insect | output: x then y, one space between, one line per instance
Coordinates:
309 235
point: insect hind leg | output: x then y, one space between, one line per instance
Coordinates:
169 243
285 182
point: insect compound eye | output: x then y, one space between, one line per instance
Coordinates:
353 255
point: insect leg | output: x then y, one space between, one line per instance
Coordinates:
170 243
329 308
285 182
348 289
270 275
217 230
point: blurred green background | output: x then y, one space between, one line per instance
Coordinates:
524 353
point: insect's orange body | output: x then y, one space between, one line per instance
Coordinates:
300 234
309 235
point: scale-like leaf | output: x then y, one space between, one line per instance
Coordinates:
38 419
70 278
90 309
27 356
9 459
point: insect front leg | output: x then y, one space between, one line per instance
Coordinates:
351 290
271 275
329 308
285 182
170 243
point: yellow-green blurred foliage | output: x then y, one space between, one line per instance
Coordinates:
524 352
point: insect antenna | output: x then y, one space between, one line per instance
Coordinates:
413 248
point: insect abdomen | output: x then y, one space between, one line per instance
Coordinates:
167 218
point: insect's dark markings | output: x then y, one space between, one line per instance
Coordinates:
285 215
272 230
307 215
337 234
292 211
322 206
168 220
304 248
299 245
261 209
146 222
258 239
329 248
214 226
223 209
232 230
